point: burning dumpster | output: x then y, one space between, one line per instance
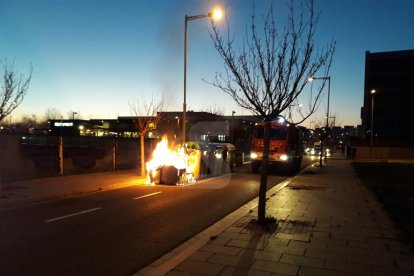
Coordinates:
168 175
172 164
182 165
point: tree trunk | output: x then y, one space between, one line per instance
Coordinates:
142 142
263 176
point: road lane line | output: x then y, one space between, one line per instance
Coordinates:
74 214
156 193
207 179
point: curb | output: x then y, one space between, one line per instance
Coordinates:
170 260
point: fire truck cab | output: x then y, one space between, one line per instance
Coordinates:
285 146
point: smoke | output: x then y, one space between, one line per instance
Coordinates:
168 71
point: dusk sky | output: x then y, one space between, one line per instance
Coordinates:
96 56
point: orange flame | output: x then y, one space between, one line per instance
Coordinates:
164 155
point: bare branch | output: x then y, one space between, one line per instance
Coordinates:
13 88
148 116
213 109
270 70
147 113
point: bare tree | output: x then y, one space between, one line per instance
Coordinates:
213 109
29 121
14 88
52 114
270 70
148 117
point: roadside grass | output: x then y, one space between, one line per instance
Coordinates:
393 183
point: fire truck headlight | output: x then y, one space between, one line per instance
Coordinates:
283 157
253 155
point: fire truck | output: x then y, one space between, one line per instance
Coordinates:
285 146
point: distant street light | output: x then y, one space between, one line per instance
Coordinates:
232 126
178 125
214 15
372 92
327 113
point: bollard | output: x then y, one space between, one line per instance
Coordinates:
114 156
61 155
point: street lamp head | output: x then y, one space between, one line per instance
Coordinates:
216 14
373 91
312 78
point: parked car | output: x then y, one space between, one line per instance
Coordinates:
316 151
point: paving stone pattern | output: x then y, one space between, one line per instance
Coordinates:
327 224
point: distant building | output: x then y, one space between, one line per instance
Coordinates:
201 126
336 132
391 75
351 131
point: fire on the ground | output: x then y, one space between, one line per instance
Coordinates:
184 161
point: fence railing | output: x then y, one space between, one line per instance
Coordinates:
31 156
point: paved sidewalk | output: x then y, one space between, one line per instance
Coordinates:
13 194
328 224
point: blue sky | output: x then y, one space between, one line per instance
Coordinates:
96 56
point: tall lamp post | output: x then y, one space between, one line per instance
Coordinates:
178 126
216 14
327 114
232 126
10 124
372 116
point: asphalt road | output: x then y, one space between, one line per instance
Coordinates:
117 232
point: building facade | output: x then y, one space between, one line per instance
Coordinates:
391 75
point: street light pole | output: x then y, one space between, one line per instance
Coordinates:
372 116
232 126
327 118
185 80
216 14
328 78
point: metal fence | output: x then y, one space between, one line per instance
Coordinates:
31 156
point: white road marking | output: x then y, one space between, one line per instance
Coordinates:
156 193
74 214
